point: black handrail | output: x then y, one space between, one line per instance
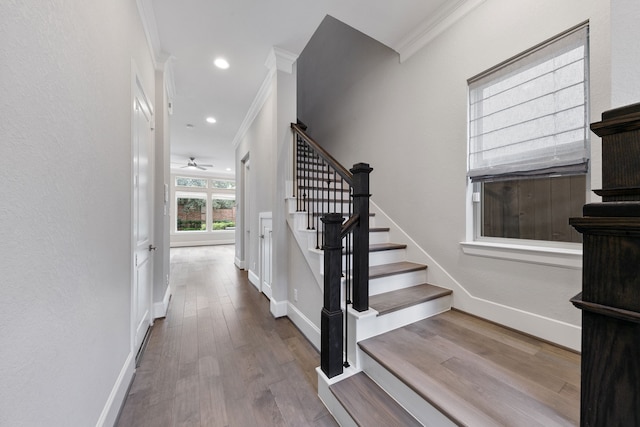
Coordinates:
320 193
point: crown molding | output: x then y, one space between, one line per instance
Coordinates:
281 59
277 60
257 104
425 33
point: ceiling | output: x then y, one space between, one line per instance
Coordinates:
192 33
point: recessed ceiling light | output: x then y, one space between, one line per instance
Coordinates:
211 120
221 63
229 169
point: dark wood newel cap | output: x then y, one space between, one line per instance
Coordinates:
620 132
623 119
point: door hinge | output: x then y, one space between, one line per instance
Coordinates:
136 259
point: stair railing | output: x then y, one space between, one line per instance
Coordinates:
329 194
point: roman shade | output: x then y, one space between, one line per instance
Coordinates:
528 115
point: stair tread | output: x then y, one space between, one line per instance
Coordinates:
368 404
479 373
389 302
378 247
394 268
378 229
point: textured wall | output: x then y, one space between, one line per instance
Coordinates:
409 120
65 158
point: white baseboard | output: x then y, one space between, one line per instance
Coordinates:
254 279
552 330
160 308
278 308
118 394
306 326
239 263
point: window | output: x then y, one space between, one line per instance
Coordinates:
223 183
204 205
529 142
223 213
182 181
191 212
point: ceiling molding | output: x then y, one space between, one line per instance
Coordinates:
148 18
444 18
256 106
281 59
277 60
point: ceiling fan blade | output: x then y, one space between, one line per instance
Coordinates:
206 166
201 168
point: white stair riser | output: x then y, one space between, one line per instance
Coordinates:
379 237
422 410
397 281
364 327
387 257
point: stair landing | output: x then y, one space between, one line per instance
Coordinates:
480 374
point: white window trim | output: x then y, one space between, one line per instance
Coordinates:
556 254
533 254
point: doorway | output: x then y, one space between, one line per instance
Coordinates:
266 245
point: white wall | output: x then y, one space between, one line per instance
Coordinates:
257 143
161 263
625 55
409 122
65 216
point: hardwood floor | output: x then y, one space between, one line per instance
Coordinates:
219 358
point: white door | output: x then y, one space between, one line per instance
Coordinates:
142 219
265 254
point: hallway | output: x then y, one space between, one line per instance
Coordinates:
219 358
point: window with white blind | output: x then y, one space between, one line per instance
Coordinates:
529 141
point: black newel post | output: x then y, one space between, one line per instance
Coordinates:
361 196
331 318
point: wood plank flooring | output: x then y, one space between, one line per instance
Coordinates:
482 374
219 358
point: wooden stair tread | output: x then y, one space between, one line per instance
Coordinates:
384 270
479 373
378 229
368 404
379 247
389 302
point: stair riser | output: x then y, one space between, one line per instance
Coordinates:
387 257
422 410
375 258
379 237
397 281
370 326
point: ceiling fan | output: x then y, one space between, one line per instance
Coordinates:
191 164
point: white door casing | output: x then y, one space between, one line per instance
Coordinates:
246 214
266 244
142 146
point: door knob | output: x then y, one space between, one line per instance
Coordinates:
152 248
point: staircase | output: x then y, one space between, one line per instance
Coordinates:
410 360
